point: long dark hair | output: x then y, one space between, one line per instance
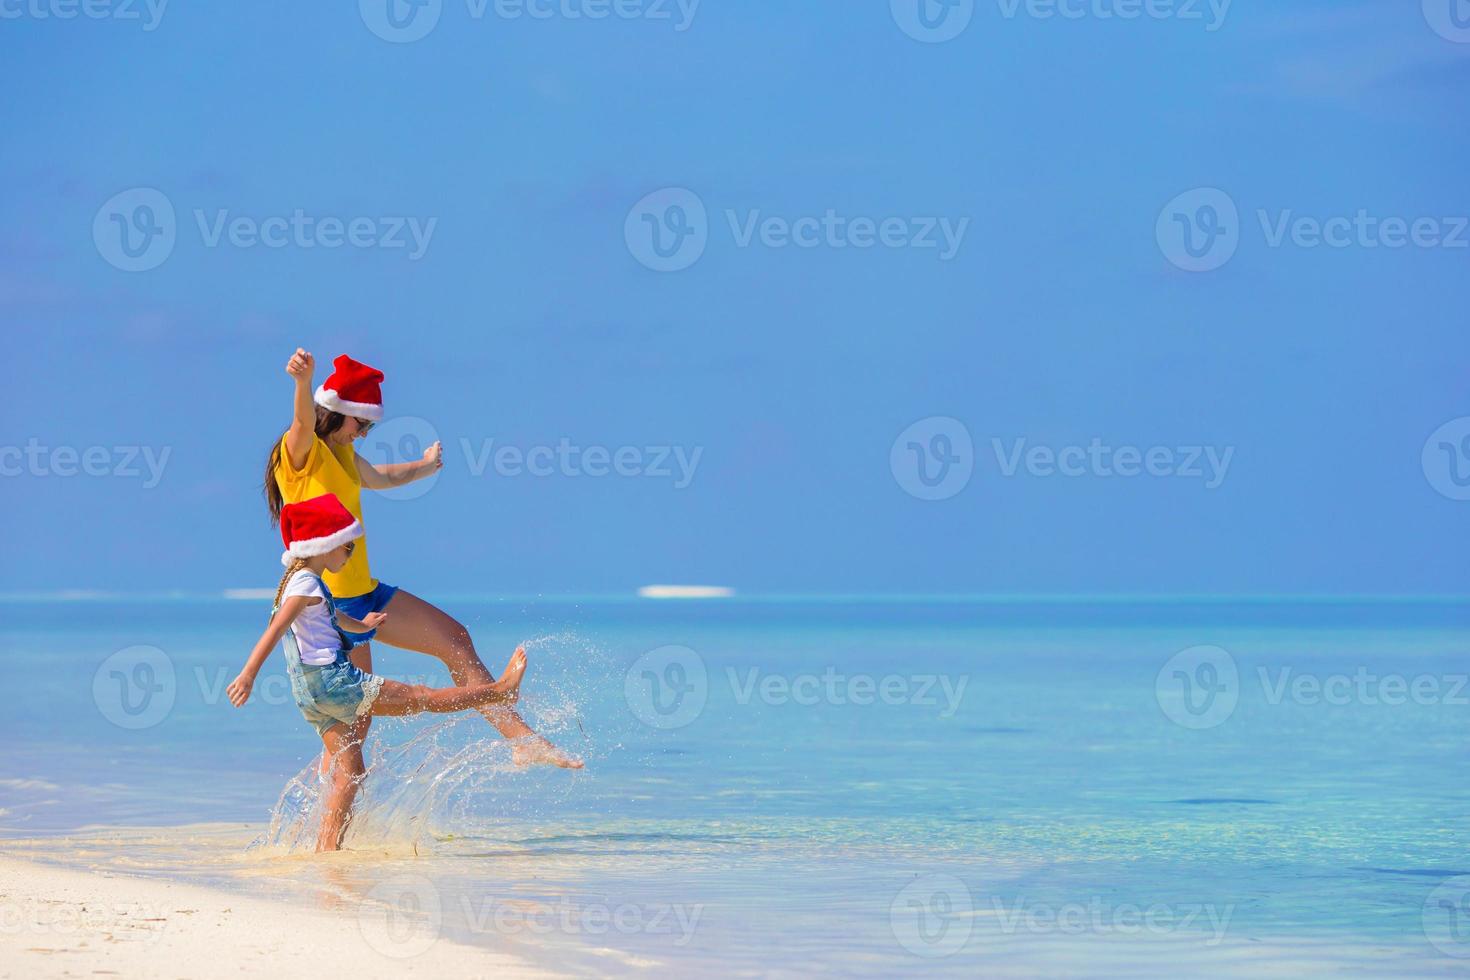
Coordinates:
327 422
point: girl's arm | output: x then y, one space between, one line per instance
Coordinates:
239 689
303 419
367 624
389 475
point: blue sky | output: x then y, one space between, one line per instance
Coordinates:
1061 319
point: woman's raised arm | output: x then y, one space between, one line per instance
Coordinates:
301 367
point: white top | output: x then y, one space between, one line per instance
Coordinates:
315 637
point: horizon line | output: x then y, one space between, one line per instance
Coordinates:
732 596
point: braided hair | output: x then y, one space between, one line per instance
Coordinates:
297 564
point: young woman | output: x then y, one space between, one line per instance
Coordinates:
332 693
316 456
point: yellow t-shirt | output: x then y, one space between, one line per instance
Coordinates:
330 469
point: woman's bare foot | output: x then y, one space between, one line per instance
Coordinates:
510 678
534 750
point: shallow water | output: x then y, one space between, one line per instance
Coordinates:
869 786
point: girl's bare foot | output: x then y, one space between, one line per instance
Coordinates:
510 678
533 750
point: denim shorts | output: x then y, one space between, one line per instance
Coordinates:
358 606
337 693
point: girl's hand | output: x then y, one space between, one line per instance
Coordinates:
434 456
375 619
239 690
301 365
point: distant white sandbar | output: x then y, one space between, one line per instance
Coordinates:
686 592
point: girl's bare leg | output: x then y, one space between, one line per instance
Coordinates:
397 699
414 624
362 658
345 774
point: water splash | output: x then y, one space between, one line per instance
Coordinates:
431 778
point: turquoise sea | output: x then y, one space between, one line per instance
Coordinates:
842 785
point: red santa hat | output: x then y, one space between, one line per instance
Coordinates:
352 390
316 526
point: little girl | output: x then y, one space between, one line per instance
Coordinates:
332 693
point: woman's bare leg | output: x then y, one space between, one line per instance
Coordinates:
414 624
345 774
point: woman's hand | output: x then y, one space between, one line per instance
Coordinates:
434 457
374 619
301 366
239 689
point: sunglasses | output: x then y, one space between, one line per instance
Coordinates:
363 425
351 546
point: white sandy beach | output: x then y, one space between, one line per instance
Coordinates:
59 922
